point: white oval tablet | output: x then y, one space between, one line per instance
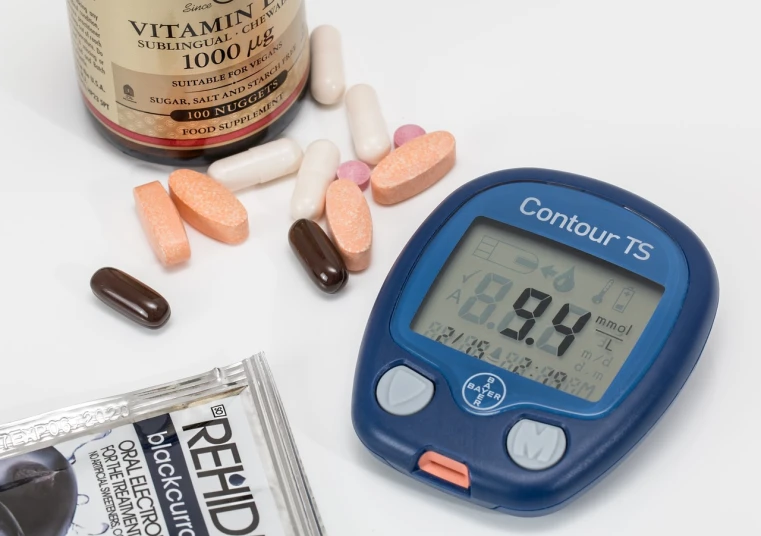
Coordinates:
327 76
318 170
258 165
367 125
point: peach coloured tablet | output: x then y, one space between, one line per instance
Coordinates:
350 223
414 167
208 206
162 224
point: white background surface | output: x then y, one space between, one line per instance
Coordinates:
660 98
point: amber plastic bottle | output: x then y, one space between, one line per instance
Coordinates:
187 83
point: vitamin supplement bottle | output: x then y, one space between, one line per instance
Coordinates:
187 82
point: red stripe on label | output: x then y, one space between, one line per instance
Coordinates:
165 142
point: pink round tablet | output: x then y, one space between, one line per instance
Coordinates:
407 133
355 171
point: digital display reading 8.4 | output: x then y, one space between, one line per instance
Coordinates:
537 308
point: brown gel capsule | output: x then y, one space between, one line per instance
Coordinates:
130 297
318 256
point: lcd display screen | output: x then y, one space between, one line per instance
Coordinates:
537 308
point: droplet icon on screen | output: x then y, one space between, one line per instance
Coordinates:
565 281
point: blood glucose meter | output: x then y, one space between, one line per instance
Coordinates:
531 333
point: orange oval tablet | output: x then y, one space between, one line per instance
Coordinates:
350 223
162 224
208 206
414 167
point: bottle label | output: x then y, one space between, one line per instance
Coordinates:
185 74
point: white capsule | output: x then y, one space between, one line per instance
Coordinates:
327 76
367 125
258 165
318 170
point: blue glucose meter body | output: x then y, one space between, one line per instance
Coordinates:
531 333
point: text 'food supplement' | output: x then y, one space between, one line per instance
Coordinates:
179 81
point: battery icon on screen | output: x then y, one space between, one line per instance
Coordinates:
623 299
506 255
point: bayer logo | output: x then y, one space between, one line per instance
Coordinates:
484 392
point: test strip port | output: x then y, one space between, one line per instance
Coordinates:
445 468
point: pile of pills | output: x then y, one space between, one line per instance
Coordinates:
393 168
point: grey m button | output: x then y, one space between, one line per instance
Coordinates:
536 446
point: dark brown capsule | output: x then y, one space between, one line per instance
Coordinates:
130 297
318 256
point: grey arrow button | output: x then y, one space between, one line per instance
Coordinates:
536 446
402 391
